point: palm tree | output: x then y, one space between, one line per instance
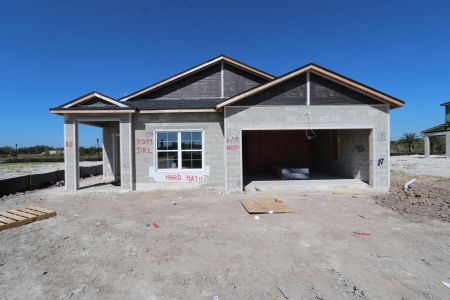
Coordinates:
409 139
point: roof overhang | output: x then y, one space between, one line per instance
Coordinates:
352 84
167 111
221 58
59 111
442 128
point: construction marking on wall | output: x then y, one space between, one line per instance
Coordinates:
69 144
360 148
192 176
232 143
382 136
144 146
380 161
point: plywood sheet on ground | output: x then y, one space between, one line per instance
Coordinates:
17 217
349 191
264 206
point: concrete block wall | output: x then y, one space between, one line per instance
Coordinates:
374 117
147 176
127 170
71 154
107 149
353 158
354 154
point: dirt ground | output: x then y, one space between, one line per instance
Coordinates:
435 165
9 170
428 197
97 247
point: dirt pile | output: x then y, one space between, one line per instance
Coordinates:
428 197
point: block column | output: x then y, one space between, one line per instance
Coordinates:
107 149
426 142
447 144
71 155
127 153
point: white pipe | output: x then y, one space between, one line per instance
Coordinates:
406 186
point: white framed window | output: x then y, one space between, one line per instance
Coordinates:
179 150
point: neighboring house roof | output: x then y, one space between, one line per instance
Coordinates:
350 83
437 129
446 104
221 58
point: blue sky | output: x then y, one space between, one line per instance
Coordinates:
54 51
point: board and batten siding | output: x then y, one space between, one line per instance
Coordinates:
290 92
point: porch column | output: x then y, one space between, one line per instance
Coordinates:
447 144
127 153
71 154
107 150
426 142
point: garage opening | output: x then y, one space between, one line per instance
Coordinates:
305 157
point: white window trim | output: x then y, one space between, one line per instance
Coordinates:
179 151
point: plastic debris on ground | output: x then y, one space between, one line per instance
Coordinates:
446 284
257 218
270 212
361 233
408 184
146 225
155 225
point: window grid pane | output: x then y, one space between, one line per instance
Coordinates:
190 147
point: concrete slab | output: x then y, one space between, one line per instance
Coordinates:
307 185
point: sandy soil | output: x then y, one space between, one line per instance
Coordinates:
428 197
8 170
207 245
435 165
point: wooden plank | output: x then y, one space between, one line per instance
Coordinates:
12 216
39 215
51 213
6 220
6 226
264 206
22 214
15 223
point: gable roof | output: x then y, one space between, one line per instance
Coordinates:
90 96
350 83
75 105
202 66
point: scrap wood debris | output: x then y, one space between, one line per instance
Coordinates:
349 191
21 216
270 206
361 233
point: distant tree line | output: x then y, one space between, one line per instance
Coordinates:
410 143
44 150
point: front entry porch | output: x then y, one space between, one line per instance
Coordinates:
117 149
